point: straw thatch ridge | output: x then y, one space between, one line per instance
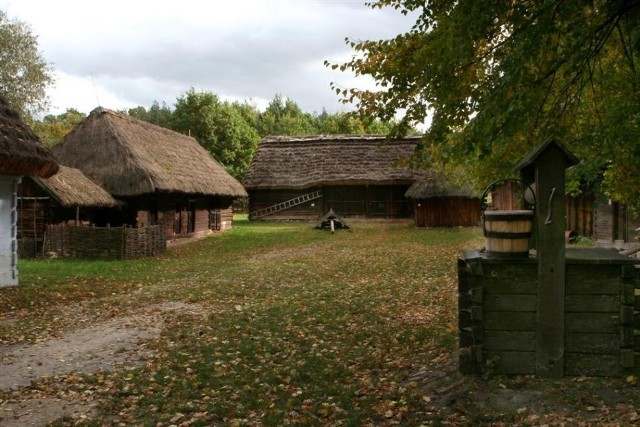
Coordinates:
21 152
130 157
71 188
437 185
303 162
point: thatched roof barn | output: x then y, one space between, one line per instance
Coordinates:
71 188
438 203
21 152
164 177
129 157
355 175
303 162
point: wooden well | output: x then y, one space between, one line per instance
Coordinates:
557 311
507 233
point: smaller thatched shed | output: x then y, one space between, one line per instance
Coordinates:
70 188
163 177
438 203
21 153
362 176
67 197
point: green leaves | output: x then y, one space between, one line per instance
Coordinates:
225 129
498 79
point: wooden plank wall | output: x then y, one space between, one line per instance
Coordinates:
349 201
261 199
580 213
447 212
604 221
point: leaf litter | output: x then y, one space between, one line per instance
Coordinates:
274 325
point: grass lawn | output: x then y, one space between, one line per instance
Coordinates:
294 326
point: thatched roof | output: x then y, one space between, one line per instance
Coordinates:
21 152
130 157
302 162
436 185
71 188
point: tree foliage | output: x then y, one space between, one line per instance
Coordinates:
24 74
53 128
499 78
220 127
157 114
284 117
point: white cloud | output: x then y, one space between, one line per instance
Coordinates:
127 53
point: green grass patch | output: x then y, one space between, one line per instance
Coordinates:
300 326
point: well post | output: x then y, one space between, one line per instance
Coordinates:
544 170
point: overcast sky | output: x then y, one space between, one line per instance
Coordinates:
124 53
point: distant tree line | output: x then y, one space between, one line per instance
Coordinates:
230 131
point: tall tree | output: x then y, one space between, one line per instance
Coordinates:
222 128
24 74
499 77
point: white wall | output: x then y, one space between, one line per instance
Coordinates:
8 237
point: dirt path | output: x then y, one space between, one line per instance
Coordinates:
108 346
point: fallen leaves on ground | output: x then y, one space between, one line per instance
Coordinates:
294 326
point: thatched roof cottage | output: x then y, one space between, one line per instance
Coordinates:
162 176
439 203
361 176
66 197
21 153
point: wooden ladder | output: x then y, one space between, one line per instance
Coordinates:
285 205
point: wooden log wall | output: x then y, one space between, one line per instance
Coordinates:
497 317
598 321
497 312
226 219
201 220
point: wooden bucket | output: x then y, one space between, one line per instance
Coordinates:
507 233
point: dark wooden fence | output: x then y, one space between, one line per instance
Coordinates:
104 242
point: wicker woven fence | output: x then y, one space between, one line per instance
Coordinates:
104 242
